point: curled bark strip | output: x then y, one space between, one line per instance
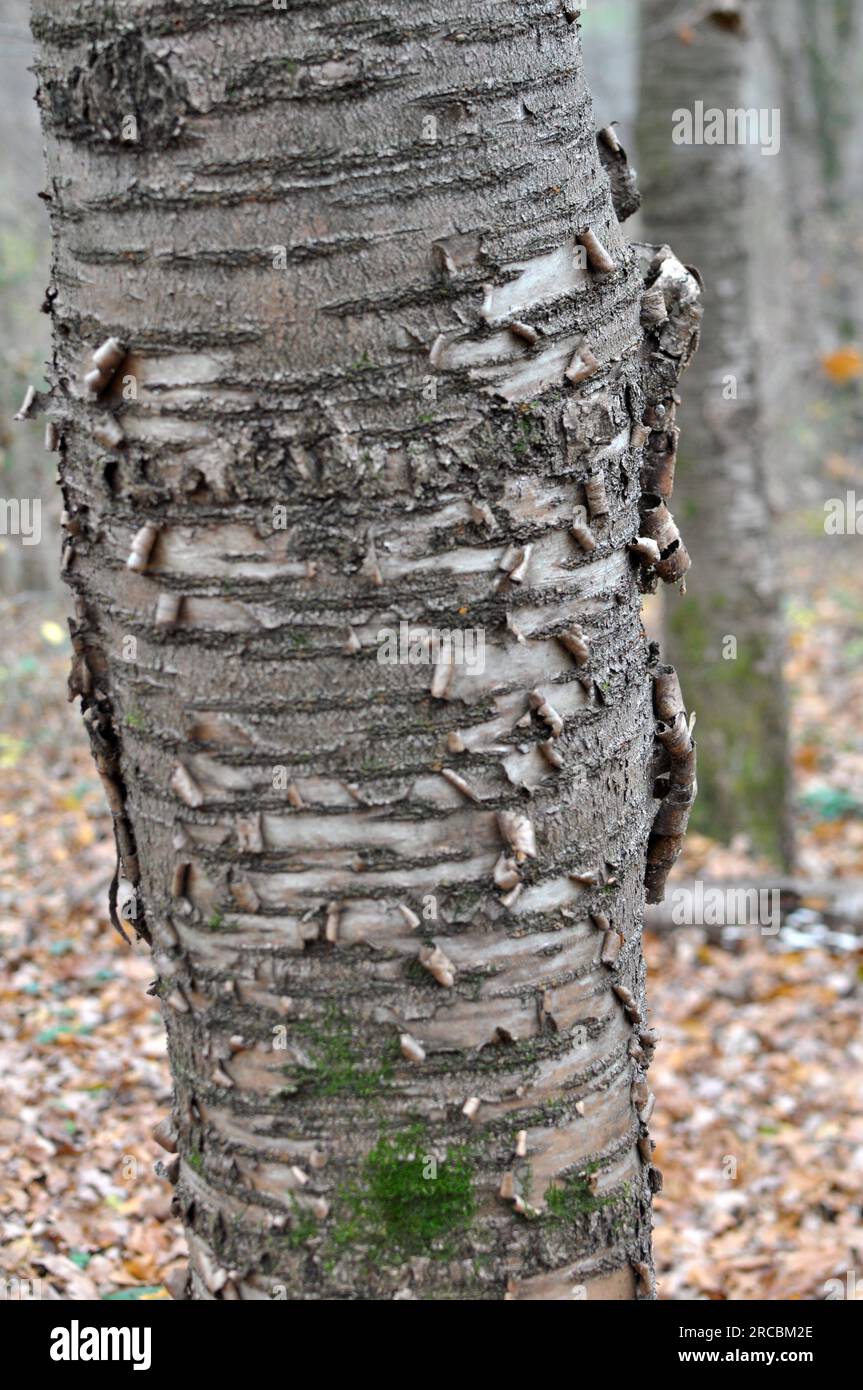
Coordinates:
672 817
178 880
646 1110
506 874
597 256
514 562
629 1002
610 950
524 331
659 525
582 365
676 739
168 608
459 783
660 460
108 432
680 287
675 564
576 644
411 1050
653 310
332 923
438 964
185 787
597 498
624 191
646 549
580 531
667 695
165 1134
27 404
518 832
511 898
657 521
108 357
546 712
646 1284
669 824
105 748
552 755
106 361
142 545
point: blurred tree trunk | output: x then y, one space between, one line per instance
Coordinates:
377 894
810 266
727 636
27 561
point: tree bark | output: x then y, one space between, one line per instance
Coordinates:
728 636
395 909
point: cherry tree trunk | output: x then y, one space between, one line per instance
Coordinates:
350 489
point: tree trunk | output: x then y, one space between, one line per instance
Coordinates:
814 53
29 517
728 635
394 896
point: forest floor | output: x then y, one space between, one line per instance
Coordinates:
758 1122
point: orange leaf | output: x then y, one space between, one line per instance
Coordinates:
843 365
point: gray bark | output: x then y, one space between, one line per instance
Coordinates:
708 194
353 930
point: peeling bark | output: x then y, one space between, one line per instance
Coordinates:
321 255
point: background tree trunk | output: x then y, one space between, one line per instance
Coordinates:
728 635
26 471
814 55
373 891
